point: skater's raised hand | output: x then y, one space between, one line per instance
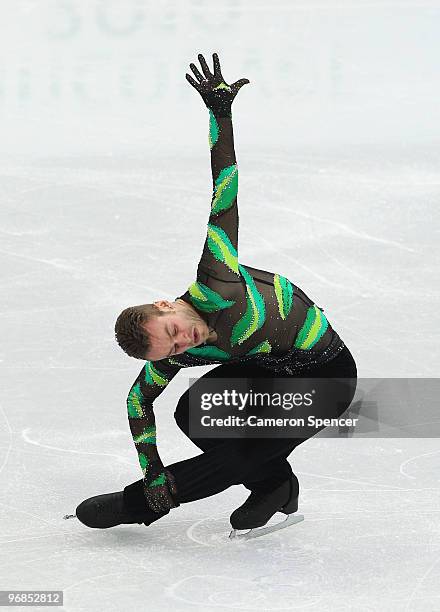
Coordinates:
216 93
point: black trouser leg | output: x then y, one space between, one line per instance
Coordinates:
224 465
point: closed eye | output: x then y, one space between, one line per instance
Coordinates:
172 334
175 334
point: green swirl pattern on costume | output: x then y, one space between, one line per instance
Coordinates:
153 376
206 299
222 248
255 314
213 129
144 462
313 328
284 293
148 436
226 189
160 480
263 347
134 403
208 352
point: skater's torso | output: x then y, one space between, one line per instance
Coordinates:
259 312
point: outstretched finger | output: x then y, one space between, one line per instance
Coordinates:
217 69
196 72
204 66
192 81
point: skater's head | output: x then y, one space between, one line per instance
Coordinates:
162 329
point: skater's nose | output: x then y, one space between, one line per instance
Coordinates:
183 341
187 338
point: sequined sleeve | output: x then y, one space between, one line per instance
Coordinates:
150 383
220 251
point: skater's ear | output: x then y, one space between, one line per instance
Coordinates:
163 304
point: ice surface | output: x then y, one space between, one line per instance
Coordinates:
105 188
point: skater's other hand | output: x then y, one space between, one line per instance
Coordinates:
216 93
160 489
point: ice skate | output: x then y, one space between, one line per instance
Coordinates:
109 510
259 508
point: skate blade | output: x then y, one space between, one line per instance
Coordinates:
261 531
68 516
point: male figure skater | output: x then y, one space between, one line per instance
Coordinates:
254 323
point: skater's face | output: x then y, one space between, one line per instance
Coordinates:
180 329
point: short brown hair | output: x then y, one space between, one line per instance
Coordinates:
131 337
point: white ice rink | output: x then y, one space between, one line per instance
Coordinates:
105 193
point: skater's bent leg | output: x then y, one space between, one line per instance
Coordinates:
230 462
